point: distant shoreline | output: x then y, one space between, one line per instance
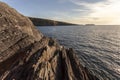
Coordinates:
89 24
47 22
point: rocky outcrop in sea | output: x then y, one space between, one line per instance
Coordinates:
26 54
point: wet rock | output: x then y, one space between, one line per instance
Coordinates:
25 54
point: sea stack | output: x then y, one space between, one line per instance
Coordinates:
26 54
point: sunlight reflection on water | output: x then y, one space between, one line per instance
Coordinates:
98 47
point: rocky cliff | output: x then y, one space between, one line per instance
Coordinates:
47 22
26 54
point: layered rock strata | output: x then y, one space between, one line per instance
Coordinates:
26 54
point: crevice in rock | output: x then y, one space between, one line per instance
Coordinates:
26 54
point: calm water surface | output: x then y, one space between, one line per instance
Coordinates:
98 47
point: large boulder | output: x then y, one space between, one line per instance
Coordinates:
26 54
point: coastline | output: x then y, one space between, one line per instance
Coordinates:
27 54
47 22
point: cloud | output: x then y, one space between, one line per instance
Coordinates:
80 10
107 12
101 12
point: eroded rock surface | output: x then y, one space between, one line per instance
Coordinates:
26 54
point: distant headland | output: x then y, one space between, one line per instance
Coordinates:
89 24
27 54
47 22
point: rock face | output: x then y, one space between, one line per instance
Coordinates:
26 54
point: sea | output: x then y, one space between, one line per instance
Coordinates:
98 47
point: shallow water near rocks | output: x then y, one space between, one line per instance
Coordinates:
98 47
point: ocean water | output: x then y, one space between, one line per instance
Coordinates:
98 47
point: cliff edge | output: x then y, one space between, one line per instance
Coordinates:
26 54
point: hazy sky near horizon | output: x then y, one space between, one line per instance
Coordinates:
75 11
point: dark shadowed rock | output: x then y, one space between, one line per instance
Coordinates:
25 54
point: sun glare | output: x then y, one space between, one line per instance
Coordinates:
107 12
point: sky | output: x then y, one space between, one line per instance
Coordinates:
100 12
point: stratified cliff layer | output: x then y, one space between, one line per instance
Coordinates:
26 54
